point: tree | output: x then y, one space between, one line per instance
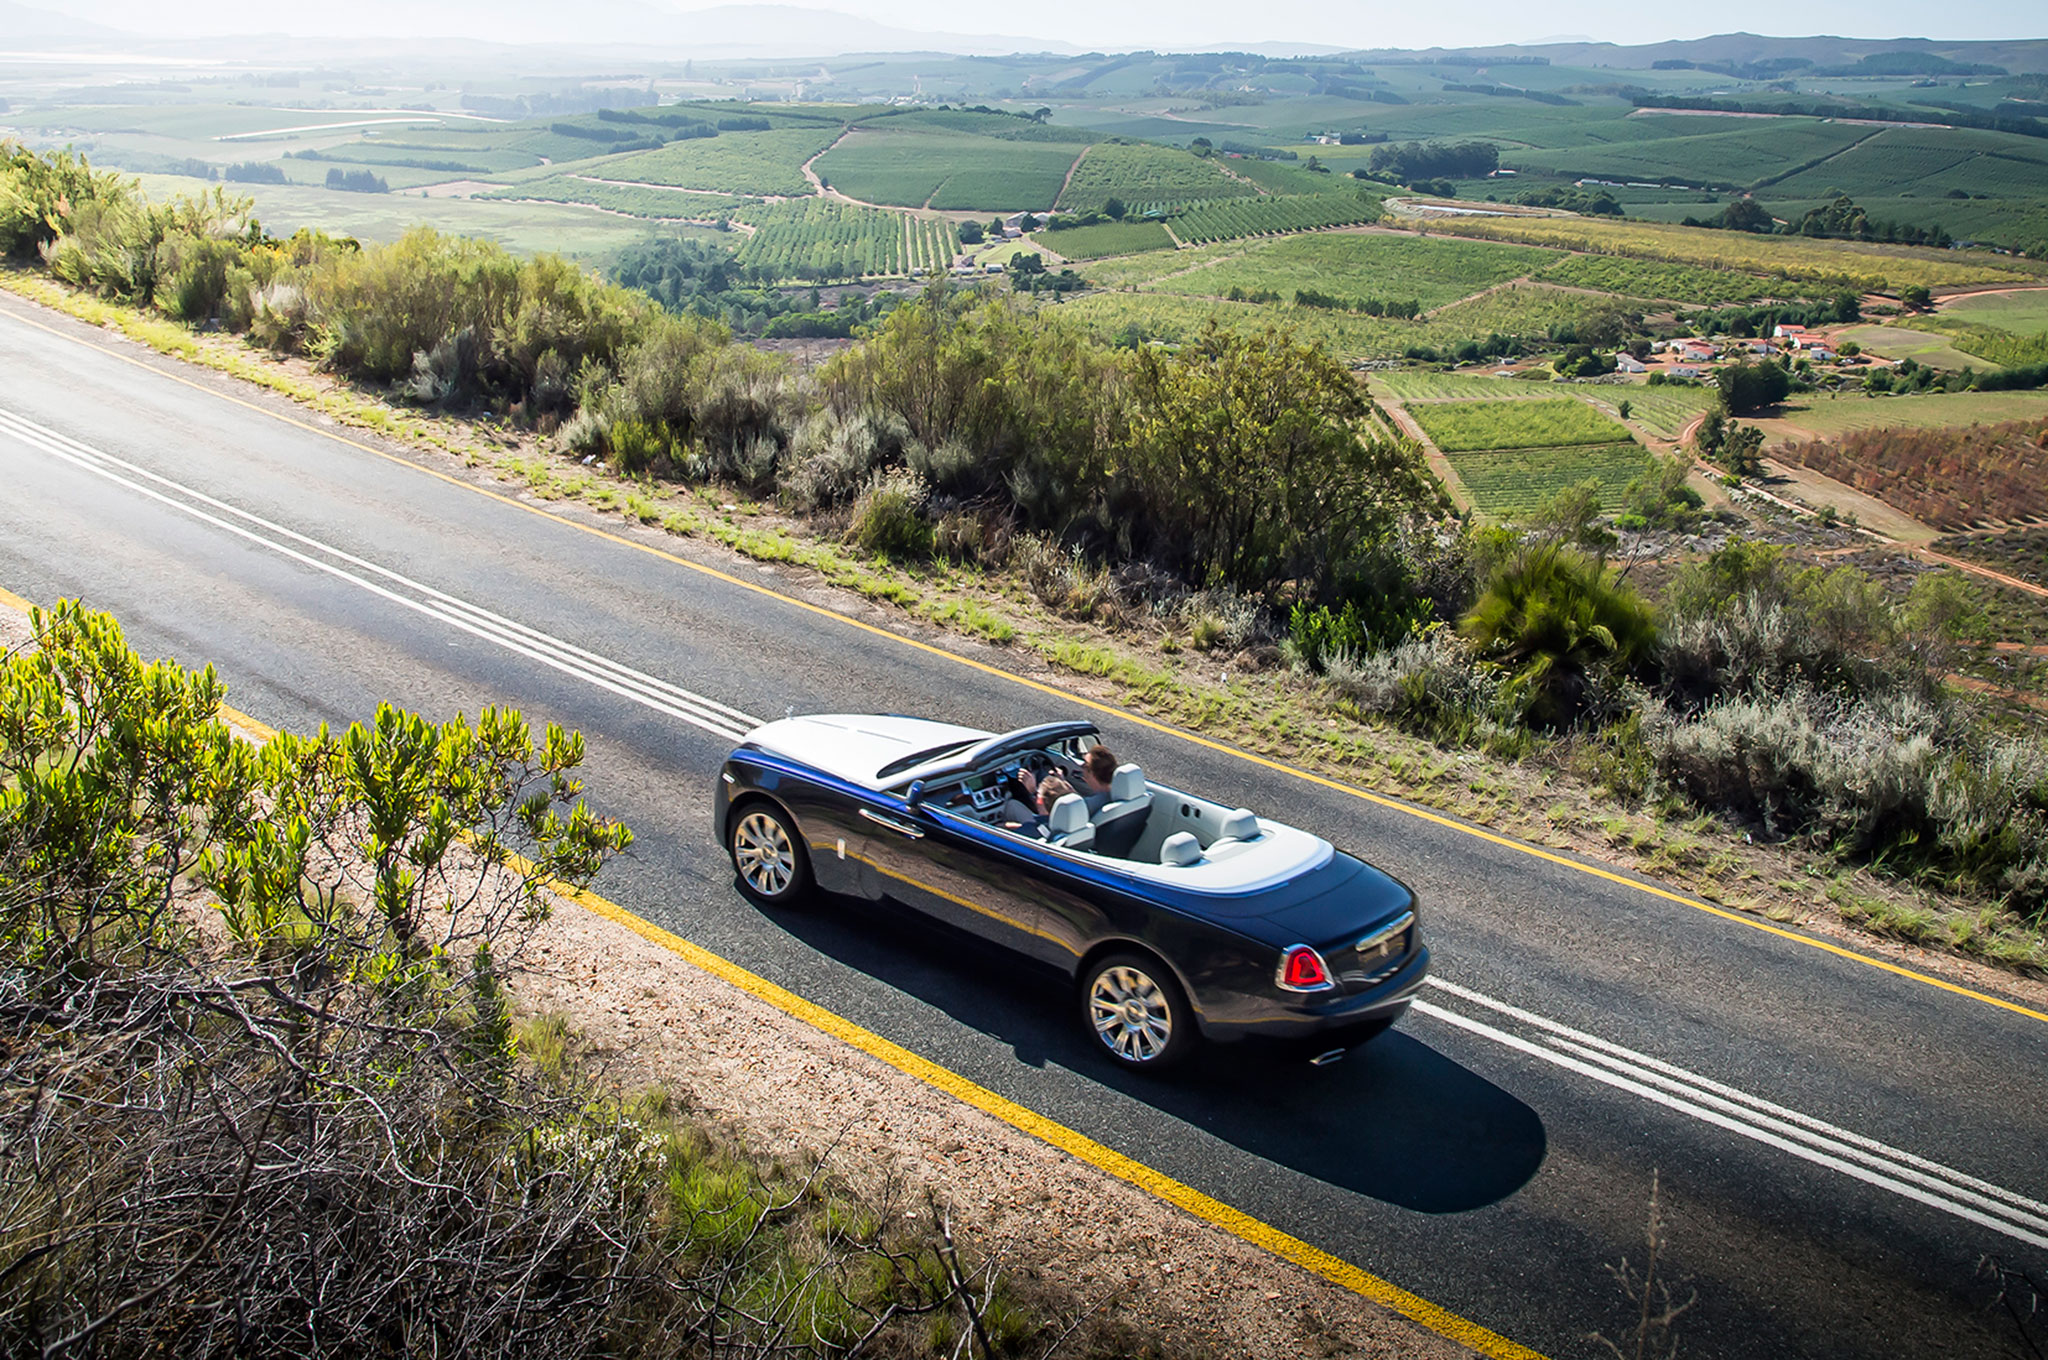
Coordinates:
1041 115
1742 450
971 233
1711 433
1113 208
1916 297
1252 461
1746 214
1748 387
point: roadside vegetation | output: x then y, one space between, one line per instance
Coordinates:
1238 496
268 1094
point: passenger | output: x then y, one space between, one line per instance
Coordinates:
1098 767
1029 801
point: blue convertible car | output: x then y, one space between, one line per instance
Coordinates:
1176 917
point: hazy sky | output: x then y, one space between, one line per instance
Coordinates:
1154 23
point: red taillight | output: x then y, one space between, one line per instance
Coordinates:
1302 970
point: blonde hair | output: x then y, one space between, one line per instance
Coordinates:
1052 790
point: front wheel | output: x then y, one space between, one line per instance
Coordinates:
767 855
1137 1012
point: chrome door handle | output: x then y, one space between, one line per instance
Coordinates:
902 828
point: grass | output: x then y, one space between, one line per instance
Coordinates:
1107 238
2021 313
634 200
1466 426
1903 342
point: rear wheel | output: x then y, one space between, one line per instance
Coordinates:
1137 1012
767 855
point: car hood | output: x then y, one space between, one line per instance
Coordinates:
854 746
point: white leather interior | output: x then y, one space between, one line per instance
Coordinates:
1068 815
1127 783
1180 849
1241 825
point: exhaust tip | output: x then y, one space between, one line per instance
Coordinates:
1325 1059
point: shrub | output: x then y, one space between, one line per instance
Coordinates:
889 516
1551 616
1431 684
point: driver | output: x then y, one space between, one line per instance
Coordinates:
1098 767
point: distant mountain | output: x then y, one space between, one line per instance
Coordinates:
2017 55
726 31
22 25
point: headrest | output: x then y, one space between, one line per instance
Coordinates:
1068 815
1128 782
1180 850
1242 824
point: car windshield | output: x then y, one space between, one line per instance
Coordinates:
912 761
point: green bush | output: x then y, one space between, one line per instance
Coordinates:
889 517
1552 616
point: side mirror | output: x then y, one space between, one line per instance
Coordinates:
915 793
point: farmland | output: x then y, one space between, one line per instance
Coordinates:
768 163
1676 282
1950 478
1851 263
1554 422
1903 342
1146 175
911 164
634 200
1665 410
822 240
1426 385
2023 313
1107 238
1229 219
1506 484
1361 265
1819 416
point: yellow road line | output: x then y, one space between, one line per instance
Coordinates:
1077 1145
1067 696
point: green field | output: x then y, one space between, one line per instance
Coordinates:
1107 238
1428 385
1701 156
1145 175
1903 342
1664 410
634 200
528 228
1853 263
730 163
1556 422
1511 483
1676 282
1824 416
1429 270
1234 218
912 164
821 239
2021 313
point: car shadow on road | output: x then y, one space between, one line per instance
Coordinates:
1395 1120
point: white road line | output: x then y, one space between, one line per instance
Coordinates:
1803 1136
650 691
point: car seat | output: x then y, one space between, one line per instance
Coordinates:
1122 819
1067 824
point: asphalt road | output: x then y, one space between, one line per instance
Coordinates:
1837 1146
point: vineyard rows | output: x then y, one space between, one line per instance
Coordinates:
1230 220
1509 484
1457 426
821 240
